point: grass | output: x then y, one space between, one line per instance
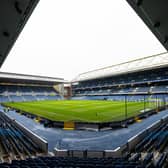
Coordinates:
81 110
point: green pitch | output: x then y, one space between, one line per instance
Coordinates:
81 110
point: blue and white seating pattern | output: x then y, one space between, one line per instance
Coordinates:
15 93
61 162
139 83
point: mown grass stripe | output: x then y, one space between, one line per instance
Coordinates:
86 111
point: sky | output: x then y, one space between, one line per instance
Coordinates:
64 38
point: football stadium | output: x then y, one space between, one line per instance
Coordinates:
115 116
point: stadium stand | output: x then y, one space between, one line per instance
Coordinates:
117 81
16 93
150 151
14 143
131 80
19 87
50 162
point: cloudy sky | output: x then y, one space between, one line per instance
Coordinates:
66 37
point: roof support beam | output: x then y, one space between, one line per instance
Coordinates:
13 16
154 14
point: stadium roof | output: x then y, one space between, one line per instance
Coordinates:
13 16
147 63
154 13
15 13
29 79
